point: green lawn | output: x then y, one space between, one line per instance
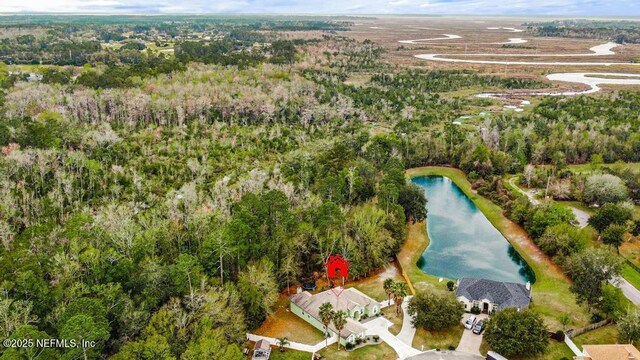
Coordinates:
427 340
588 168
373 285
555 351
631 275
551 294
380 351
604 335
390 314
284 323
289 354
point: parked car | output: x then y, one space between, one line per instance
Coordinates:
309 286
478 328
470 322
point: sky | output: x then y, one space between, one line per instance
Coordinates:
624 8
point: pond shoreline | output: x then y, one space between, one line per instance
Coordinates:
552 296
464 243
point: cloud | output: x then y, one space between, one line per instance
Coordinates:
467 7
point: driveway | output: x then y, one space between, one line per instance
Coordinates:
627 289
408 331
379 326
470 342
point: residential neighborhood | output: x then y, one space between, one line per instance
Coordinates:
319 180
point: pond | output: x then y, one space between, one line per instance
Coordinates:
463 242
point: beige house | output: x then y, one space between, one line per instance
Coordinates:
357 305
609 352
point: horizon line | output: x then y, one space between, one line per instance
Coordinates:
109 13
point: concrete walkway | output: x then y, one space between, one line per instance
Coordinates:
582 217
380 326
528 194
408 330
628 290
294 345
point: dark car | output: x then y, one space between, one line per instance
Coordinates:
309 286
478 328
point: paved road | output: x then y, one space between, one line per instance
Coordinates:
528 194
581 216
628 290
408 331
470 342
446 355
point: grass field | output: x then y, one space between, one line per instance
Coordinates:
604 335
551 293
555 351
631 275
426 339
373 284
289 354
390 314
380 351
284 323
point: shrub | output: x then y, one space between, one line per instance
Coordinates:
475 310
560 335
451 347
450 285
596 317
376 338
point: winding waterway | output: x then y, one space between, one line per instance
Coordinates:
463 242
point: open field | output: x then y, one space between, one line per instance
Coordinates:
404 37
551 293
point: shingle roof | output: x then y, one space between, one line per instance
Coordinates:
611 352
262 344
348 299
503 294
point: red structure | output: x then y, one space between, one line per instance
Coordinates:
337 263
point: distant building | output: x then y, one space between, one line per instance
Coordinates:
490 295
609 352
261 350
357 305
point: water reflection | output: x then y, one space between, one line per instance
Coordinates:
463 243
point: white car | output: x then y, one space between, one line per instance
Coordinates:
470 322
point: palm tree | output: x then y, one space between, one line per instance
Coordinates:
399 290
326 314
387 285
339 321
282 342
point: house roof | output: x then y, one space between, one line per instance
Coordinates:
262 344
503 294
611 352
347 300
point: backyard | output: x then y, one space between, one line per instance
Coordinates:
284 323
380 351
